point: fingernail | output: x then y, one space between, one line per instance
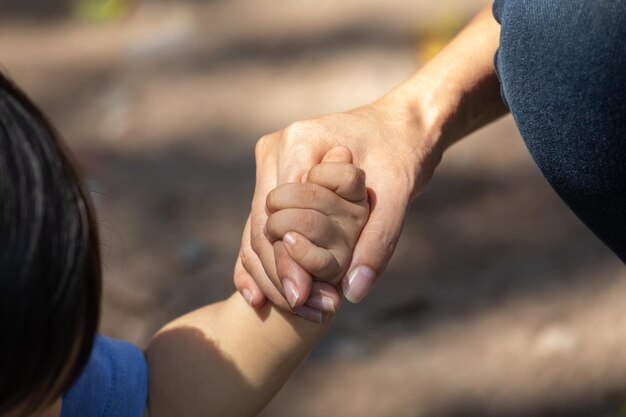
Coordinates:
291 292
247 295
359 283
322 303
310 314
289 239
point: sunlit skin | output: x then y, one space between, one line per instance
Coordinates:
398 141
206 362
256 351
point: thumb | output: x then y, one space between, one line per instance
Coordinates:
374 249
338 154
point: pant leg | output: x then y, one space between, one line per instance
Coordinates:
562 67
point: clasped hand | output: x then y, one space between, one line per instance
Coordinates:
330 200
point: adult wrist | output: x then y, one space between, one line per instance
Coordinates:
457 91
436 108
422 112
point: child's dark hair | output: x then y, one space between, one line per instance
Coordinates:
50 274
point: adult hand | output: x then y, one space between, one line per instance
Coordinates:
397 141
398 158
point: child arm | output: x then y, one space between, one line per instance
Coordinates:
228 359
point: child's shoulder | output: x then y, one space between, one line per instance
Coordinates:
114 382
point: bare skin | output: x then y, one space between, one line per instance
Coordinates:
398 141
228 359
206 362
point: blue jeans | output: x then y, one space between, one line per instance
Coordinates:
562 68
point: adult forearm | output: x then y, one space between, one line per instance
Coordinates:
456 92
398 141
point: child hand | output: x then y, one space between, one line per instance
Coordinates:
319 221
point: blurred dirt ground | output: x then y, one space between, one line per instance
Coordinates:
498 301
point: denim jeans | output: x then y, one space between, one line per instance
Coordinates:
562 69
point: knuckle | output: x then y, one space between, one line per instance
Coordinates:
359 214
272 225
319 266
325 266
301 129
271 201
307 194
280 197
314 261
315 174
351 179
295 131
309 223
261 146
383 242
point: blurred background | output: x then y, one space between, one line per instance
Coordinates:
498 301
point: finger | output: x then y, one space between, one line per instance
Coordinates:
266 171
303 151
373 250
252 265
315 226
265 252
267 177
310 314
244 281
346 180
295 281
319 262
324 297
246 286
338 154
255 270
306 196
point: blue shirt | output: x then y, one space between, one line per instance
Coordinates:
113 384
